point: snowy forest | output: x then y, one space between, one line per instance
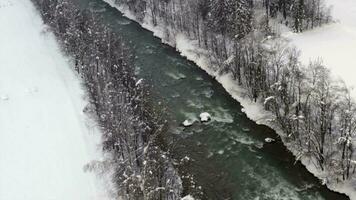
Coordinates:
315 113
118 101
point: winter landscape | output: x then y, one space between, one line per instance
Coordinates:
177 99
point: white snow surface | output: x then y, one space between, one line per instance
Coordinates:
204 117
188 197
269 140
335 43
45 139
188 122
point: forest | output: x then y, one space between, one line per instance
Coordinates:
315 112
119 102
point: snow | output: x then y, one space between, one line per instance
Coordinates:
204 117
45 139
335 44
229 60
268 99
139 82
269 140
188 122
4 98
188 197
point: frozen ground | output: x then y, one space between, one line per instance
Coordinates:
45 139
335 44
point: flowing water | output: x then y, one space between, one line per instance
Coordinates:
226 158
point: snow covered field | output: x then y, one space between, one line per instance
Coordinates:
45 139
335 44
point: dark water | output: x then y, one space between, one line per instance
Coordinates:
226 158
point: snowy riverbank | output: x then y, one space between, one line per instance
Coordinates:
45 139
335 45
255 111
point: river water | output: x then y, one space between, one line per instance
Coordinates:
226 158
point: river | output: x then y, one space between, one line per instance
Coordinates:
226 158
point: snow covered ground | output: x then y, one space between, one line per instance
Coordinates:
335 44
45 139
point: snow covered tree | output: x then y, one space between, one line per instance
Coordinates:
118 100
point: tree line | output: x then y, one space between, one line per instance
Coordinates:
315 112
119 101
298 14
